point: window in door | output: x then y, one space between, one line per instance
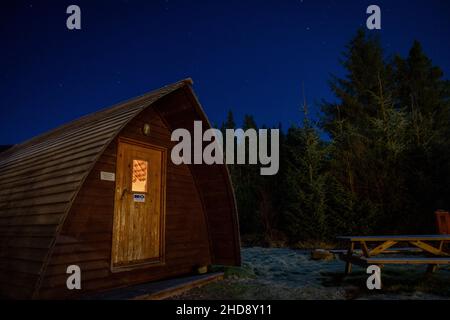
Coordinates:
140 176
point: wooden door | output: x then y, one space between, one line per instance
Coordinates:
138 232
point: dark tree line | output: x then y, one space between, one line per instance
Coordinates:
381 167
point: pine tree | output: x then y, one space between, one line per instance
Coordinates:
362 125
384 168
423 92
304 216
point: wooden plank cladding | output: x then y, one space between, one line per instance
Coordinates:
59 198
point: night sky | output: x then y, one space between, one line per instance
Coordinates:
248 56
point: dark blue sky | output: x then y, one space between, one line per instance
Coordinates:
250 56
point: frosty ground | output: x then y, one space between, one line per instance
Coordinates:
273 273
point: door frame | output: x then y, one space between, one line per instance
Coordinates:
162 259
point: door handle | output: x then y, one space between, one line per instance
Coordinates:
123 193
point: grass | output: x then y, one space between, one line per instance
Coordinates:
396 281
253 240
273 274
243 272
311 245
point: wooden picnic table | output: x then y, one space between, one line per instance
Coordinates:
430 249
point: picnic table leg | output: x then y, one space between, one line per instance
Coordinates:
348 265
382 247
432 268
365 249
381 266
443 247
429 248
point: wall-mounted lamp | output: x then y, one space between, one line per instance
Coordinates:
146 129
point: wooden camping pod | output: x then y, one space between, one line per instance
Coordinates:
56 209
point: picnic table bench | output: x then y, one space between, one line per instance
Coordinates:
430 248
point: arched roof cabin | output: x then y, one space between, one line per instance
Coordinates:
102 193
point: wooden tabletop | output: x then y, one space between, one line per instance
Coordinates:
423 237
